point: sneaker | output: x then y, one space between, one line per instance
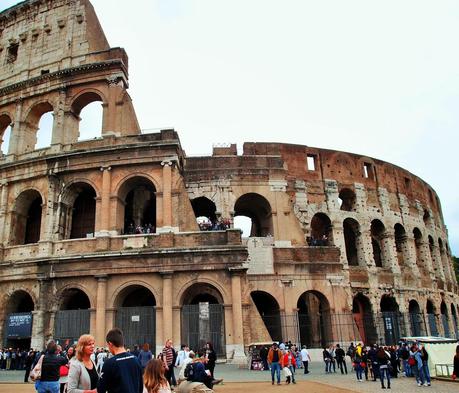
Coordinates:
217 381
426 384
272 383
419 384
278 383
294 382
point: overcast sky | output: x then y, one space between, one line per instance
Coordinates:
379 78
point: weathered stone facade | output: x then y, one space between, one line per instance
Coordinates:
67 254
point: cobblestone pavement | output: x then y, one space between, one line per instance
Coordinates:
232 374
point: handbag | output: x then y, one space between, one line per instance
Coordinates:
35 374
64 370
287 372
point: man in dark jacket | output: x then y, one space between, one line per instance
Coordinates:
340 358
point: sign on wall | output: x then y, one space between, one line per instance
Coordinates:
19 325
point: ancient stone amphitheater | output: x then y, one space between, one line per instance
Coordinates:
104 232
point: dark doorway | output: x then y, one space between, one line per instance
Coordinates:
268 308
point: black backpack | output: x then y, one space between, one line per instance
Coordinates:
189 371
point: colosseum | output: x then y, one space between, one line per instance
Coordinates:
127 230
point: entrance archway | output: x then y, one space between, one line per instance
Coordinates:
445 319
26 218
203 318
258 210
321 230
351 231
73 317
363 318
391 319
416 319
136 316
431 318
269 310
314 320
18 321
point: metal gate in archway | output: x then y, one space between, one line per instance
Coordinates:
138 325
69 325
204 322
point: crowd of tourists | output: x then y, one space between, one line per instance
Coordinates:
116 369
13 359
214 225
132 229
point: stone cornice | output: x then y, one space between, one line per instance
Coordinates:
62 73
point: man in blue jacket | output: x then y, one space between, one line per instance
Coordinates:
121 373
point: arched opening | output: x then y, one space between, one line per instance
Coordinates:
321 231
432 254
418 245
314 319
347 200
136 316
455 321
416 319
26 218
426 217
89 113
139 196
18 321
363 318
45 130
391 319
203 317
5 133
400 243
378 232
84 213
431 318
205 212
445 319
258 210
244 224
269 310
72 318
352 240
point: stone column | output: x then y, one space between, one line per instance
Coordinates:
39 320
389 251
103 227
101 301
166 198
3 212
167 305
58 134
16 132
238 337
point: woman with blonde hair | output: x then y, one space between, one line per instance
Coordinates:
154 379
83 375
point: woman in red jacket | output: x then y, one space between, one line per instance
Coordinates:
288 360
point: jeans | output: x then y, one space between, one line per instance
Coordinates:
384 371
358 371
327 366
425 368
341 364
419 374
275 368
375 366
47 386
407 368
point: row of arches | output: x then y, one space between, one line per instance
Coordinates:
86 111
202 316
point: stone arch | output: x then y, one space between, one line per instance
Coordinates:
19 301
401 243
72 318
378 233
203 316
314 316
431 317
82 101
321 230
418 240
363 318
5 132
137 204
31 124
391 319
205 211
133 295
135 313
117 294
77 210
269 310
353 242
416 316
445 319
26 217
206 281
348 199
455 321
258 209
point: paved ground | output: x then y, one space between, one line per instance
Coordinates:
243 380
